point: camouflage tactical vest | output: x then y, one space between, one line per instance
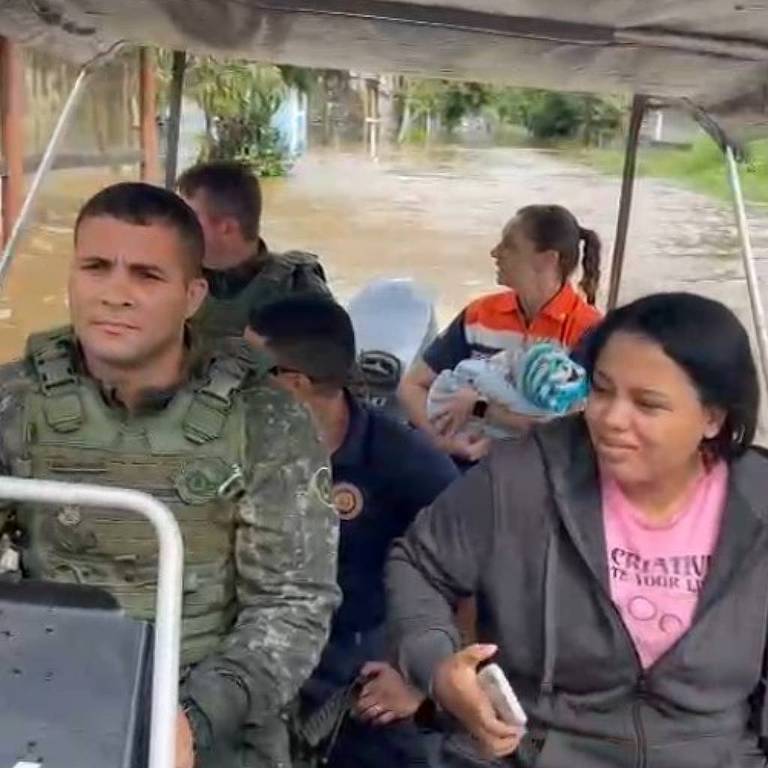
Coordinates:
281 275
186 455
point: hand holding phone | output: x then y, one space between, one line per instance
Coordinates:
495 685
456 689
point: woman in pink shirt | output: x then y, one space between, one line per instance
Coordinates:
619 560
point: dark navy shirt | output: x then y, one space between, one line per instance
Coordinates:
383 475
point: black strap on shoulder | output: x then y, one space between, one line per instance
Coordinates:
213 401
53 359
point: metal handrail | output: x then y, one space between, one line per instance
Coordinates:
165 674
49 155
748 259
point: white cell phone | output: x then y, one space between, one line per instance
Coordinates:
496 687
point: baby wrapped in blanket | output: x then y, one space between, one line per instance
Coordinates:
541 382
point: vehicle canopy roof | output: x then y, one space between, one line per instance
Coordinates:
709 54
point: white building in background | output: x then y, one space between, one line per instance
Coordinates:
291 121
669 126
191 133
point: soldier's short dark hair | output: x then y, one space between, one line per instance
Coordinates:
231 189
309 334
135 202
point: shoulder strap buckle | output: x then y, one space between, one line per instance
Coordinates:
212 402
54 366
224 381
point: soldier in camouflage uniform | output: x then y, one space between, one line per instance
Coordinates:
242 273
125 397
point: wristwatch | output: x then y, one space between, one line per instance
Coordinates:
479 409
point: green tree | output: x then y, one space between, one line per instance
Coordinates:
554 115
429 104
510 105
239 100
460 100
422 104
601 117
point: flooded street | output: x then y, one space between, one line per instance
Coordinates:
429 214
434 216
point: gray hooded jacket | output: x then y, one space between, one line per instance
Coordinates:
523 531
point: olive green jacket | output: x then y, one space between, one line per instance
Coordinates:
235 293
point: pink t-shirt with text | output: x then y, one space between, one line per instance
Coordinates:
656 572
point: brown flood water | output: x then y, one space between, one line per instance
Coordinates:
428 214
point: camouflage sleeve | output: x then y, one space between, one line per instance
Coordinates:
13 380
286 547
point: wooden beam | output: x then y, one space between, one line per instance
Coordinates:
150 147
12 128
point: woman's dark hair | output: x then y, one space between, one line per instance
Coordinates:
709 343
554 228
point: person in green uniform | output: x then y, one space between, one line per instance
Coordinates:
242 273
126 396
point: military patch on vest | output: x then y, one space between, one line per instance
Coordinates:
348 500
199 480
320 485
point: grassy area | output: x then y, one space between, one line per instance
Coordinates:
700 168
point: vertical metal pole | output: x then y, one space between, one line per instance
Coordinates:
150 149
174 118
12 116
625 200
753 285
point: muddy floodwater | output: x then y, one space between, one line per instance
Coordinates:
428 214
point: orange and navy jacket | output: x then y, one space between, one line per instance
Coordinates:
494 323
